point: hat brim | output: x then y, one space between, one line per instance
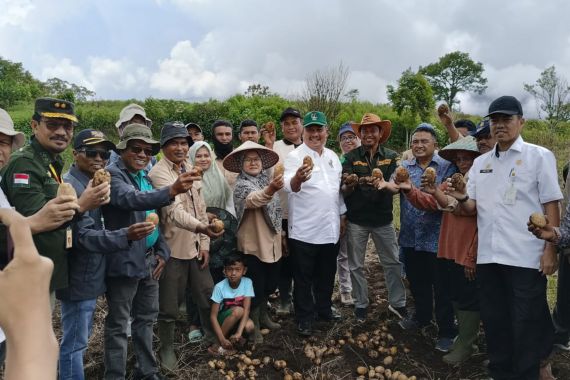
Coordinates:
482 131
451 154
188 138
18 138
122 145
504 112
384 125
320 124
59 115
94 141
291 113
233 161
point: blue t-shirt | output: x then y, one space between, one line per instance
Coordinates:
228 297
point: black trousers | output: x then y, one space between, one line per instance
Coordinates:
264 276
286 272
516 320
561 314
428 283
314 274
464 293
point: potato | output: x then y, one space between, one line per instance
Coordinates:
297 376
279 170
351 180
458 182
217 225
442 109
538 220
197 171
269 127
101 176
152 218
388 360
402 174
377 173
362 371
264 331
309 162
66 189
430 176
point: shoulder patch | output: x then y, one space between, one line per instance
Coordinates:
21 179
359 163
384 162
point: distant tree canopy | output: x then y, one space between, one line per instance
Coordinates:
454 73
16 84
61 89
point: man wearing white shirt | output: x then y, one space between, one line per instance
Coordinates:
505 186
316 218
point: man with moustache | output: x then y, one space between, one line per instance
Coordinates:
316 213
222 136
483 137
248 131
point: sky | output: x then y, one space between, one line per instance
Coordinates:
199 49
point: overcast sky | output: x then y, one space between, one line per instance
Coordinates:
197 49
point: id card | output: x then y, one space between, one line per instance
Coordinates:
68 238
510 195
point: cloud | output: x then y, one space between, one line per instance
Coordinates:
15 12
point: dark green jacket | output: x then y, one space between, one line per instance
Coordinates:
367 206
29 185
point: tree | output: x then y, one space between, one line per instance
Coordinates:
454 73
16 84
257 90
551 93
323 90
61 89
412 100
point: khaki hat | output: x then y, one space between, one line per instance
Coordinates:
129 112
372 119
465 144
7 128
138 132
233 161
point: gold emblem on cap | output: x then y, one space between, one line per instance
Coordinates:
62 105
56 105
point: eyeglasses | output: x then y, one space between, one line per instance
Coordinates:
252 160
138 149
347 138
92 153
54 124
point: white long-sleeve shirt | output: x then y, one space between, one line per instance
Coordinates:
314 211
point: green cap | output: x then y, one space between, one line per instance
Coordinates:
56 108
138 132
314 118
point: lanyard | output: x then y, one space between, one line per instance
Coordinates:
54 173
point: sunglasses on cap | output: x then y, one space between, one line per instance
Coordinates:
92 153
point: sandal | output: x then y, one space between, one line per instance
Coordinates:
195 336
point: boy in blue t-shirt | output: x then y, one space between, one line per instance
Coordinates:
232 301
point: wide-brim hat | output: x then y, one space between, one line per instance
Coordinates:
233 161
465 144
7 128
128 112
138 132
372 119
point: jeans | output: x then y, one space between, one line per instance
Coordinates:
126 295
76 321
384 238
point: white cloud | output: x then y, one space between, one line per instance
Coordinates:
15 12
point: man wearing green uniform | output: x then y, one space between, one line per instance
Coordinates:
32 176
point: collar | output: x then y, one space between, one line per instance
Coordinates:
364 152
435 159
79 175
172 166
46 156
312 152
517 146
287 142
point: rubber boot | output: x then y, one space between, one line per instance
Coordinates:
265 319
209 336
256 337
166 353
465 344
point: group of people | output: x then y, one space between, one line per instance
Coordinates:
145 237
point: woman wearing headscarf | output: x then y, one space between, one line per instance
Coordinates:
258 211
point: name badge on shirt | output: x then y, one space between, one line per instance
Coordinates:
68 238
510 195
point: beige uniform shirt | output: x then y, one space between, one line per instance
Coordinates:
181 217
255 236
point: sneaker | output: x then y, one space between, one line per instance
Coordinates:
444 344
305 328
360 314
346 299
284 309
400 312
409 323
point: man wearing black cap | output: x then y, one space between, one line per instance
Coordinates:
292 128
187 232
222 136
86 259
506 185
133 272
485 140
248 131
33 175
195 132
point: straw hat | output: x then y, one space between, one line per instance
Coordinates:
233 161
372 119
465 144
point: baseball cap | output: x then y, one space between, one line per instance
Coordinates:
508 105
91 137
56 108
346 127
290 112
483 128
314 118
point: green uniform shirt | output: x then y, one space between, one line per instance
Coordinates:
29 184
144 185
367 206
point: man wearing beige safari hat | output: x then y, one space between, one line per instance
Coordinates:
369 213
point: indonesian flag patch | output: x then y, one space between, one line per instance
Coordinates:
21 179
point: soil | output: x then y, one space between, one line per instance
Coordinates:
415 354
